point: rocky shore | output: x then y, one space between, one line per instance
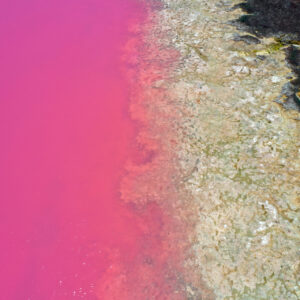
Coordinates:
237 149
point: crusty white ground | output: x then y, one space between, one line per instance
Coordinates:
239 155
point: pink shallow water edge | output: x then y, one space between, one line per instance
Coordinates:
65 136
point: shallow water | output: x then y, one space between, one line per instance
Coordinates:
66 134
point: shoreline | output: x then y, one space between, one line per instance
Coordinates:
238 156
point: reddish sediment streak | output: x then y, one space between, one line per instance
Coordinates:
65 136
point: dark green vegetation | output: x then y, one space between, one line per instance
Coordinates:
279 19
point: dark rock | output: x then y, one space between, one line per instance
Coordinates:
279 19
248 39
288 98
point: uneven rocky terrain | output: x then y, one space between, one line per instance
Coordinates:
237 152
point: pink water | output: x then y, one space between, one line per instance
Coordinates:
65 134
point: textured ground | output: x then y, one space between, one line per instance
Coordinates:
238 154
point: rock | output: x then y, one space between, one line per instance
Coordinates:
248 39
279 19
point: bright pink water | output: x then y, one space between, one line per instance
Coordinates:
65 134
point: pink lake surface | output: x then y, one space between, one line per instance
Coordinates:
65 135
